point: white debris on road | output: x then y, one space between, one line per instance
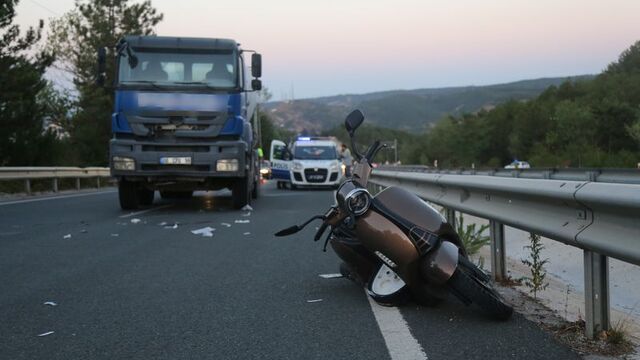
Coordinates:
47 333
247 208
314 300
115 235
241 221
247 233
330 276
246 214
50 303
206 232
68 236
135 220
225 224
164 223
174 226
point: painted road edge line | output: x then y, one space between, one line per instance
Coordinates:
24 201
400 342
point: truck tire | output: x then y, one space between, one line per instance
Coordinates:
241 193
145 196
256 190
128 195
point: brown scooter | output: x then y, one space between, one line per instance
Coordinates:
396 245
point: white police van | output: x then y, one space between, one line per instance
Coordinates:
310 161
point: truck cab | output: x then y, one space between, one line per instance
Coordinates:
184 118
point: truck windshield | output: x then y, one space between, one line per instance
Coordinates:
315 153
215 69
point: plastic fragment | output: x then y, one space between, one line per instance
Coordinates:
50 303
206 232
247 208
330 276
84 231
174 226
68 236
246 214
164 223
247 233
225 224
241 221
314 300
115 235
135 220
47 333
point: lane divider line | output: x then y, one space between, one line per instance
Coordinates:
396 333
145 211
3 203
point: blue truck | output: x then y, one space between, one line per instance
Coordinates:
184 118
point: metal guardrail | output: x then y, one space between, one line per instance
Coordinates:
597 210
54 173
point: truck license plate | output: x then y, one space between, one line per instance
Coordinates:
175 160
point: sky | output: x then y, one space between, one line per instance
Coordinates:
329 47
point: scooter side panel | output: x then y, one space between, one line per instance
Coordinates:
377 233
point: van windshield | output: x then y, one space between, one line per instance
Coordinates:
213 69
313 152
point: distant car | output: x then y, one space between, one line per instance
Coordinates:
517 164
265 169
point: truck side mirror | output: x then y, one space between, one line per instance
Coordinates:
256 84
102 66
256 66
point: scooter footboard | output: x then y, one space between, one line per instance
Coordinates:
440 264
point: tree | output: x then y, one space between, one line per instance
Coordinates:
74 39
22 141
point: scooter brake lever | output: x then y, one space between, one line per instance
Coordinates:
326 241
321 231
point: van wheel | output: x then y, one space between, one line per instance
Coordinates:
240 192
128 195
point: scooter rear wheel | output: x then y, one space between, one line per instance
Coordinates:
466 284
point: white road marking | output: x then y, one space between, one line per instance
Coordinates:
395 331
54 198
145 211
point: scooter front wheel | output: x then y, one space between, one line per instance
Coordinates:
471 288
387 288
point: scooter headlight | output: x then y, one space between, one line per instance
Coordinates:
358 201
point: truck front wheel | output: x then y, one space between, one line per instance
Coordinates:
128 195
145 196
241 193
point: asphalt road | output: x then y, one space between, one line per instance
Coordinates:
129 290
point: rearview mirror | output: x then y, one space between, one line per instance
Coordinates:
256 65
353 121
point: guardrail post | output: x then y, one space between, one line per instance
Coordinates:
596 292
77 183
498 267
55 185
450 215
27 186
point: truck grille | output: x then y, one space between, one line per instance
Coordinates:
315 175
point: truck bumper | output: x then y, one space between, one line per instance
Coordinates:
204 156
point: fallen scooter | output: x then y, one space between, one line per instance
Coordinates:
396 245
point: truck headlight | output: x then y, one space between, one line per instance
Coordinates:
227 165
297 166
123 163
